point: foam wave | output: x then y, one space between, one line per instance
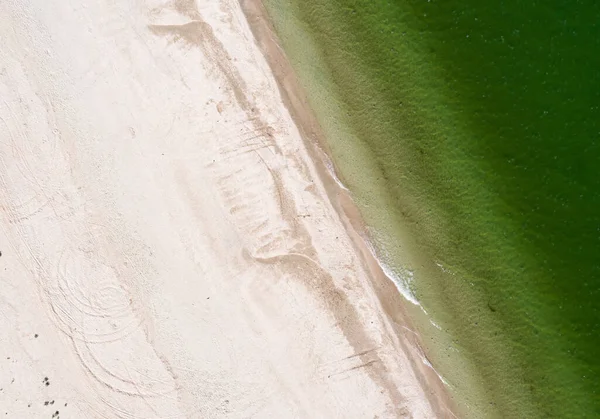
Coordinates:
402 279
442 379
332 172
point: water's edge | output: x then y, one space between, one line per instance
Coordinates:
459 373
392 287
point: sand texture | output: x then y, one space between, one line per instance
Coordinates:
169 248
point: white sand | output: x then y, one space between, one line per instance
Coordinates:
165 234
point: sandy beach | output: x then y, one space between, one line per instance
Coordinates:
171 246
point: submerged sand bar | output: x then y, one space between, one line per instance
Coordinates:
168 245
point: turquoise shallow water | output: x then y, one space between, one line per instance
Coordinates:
484 119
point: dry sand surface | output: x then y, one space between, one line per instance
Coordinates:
169 248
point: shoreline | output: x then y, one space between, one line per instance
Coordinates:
390 297
174 245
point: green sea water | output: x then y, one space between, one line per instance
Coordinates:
478 129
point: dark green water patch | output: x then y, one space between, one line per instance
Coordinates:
484 120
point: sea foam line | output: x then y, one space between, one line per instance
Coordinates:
332 172
442 379
401 280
